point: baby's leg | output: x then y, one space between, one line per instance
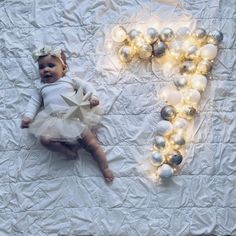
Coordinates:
57 146
91 145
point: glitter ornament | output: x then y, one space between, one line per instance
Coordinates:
168 112
157 159
119 34
151 35
166 35
126 53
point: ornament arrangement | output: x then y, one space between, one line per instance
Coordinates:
192 52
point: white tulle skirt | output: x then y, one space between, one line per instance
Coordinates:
55 126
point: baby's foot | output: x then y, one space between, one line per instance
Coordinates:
107 174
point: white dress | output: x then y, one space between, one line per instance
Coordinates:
51 121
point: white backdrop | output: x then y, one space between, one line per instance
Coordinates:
42 193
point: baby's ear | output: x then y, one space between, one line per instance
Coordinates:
65 68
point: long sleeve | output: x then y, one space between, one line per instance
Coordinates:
87 87
33 105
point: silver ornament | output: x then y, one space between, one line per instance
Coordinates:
133 34
204 67
191 52
199 33
159 142
159 49
180 82
174 158
166 35
151 35
182 33
157 159
126 53
168 112
215 37
187 67
177 141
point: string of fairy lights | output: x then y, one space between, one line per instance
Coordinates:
193 52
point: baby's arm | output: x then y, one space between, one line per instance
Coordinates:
31 109
88 88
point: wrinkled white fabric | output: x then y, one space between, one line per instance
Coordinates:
43 193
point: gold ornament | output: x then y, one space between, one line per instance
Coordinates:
126 53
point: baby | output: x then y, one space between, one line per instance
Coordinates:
54 129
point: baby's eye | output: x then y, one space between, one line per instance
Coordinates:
51 65
41 67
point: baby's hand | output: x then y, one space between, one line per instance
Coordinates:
93 101
25 122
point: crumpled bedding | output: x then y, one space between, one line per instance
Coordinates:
43 193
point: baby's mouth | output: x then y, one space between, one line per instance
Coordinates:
47 77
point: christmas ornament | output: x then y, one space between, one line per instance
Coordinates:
119 34
151 35
166 35
159 142
164 127
168 112
159 49
174 158
157 159
165 171
126 53
215 37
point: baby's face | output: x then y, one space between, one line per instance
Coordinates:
50 69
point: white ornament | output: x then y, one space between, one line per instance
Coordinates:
118 34
164 127
208 51
77 103
165 171
192 96
198 82
170 95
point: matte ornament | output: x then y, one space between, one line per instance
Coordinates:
119 34
164 128
215 37
168 112
166 35
198 82
157 159
159 49
208 51
174 158
187 67
160 142
126 53
151 35
77 103
165 171
177 141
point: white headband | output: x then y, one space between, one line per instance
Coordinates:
48 50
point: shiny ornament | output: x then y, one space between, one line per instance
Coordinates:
119 34
157 159
180 124
165 171
176 50
215 37
187 67
133 34
191 52
164 128
180 82
198 82
208 51
188 112
199 33
182 33
177 141
166 35
151 35
159 49
168 112
204 67
126 53
144 51
159 142
174 158
192 96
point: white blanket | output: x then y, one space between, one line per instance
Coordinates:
43 193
